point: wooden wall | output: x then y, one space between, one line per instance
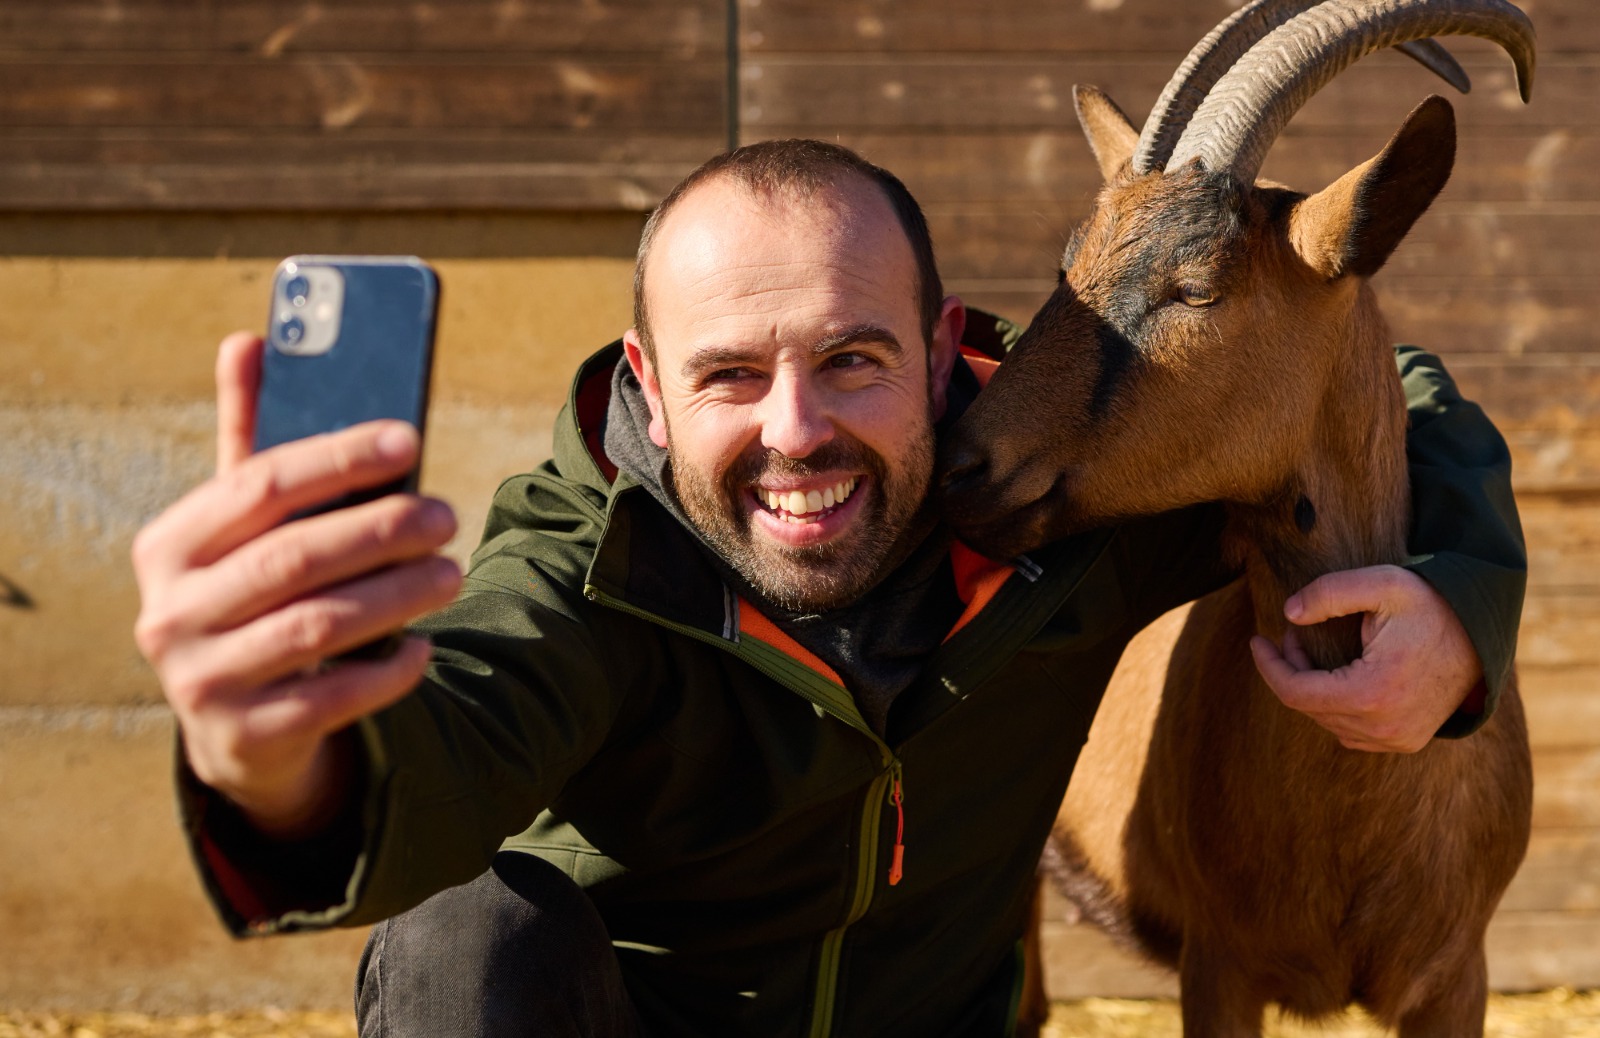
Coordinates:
196 107
356 104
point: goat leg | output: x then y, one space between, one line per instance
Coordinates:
1456 1008
1217 998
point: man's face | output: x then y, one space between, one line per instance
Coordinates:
792 385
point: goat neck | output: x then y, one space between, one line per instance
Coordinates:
1346 500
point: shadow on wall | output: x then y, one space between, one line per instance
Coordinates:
13 595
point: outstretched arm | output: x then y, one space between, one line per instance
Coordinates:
239 608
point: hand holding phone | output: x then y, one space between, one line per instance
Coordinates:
241 601
349 340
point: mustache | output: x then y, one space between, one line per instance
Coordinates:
763 462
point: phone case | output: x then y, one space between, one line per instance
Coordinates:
377 367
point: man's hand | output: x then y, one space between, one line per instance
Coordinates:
1417 664
238 613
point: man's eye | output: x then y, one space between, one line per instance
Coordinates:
848 360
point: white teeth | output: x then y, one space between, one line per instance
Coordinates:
802 504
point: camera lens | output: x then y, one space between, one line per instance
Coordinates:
298 289
292 331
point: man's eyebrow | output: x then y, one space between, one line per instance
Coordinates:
712 358
861 333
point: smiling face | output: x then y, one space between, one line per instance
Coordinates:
791 383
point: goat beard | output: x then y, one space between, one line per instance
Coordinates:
896 517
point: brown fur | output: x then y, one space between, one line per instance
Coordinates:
1213 342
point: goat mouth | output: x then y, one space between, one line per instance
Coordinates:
1001 531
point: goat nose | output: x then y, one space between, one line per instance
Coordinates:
964 469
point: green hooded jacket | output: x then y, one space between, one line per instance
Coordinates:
765 864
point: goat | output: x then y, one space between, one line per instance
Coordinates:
1216 339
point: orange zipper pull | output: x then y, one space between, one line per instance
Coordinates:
897 798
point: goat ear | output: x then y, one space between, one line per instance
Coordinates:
1112 136
1354 225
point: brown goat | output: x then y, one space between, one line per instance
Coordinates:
1216 339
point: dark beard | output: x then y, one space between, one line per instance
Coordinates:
826 576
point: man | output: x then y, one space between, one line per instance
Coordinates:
768 754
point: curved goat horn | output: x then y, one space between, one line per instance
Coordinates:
1216 54
1242 116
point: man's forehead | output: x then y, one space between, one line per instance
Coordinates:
724 209
724 236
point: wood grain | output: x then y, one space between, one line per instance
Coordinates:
683 28
826 94
1132 26
224 170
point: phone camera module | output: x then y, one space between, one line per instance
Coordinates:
290 332
298 289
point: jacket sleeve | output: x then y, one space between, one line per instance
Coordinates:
526 683
1465 540
1466 537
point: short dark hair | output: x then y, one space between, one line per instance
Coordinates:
804 166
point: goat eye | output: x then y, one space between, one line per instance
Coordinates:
1194 295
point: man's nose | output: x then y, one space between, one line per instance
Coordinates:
794 418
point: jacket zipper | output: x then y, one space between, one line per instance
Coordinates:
887 787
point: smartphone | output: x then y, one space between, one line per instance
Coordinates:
349 339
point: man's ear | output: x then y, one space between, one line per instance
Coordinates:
942 350
1353 225
645 372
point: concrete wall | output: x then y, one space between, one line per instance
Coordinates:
108 327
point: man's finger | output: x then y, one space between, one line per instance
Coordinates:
1321 693
1342 593
238 379
300 558
303 634
322 704
261 491
1294 652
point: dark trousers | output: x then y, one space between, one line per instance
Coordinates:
518 951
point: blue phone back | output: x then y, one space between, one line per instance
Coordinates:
378 366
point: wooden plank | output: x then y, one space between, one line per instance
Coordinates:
1532 393
956 26
1564 784
829 94
683 28
579 95
1536 951
1054 164
1562 703
1563 535
225 170
1562 629
1560 874
279 188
